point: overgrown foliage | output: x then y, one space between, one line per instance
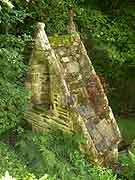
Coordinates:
109 39
12 69
54 153
110 43
128 163
11 163
108 33
107 28
13 96
57 154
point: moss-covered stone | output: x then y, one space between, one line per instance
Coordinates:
57 40
73 93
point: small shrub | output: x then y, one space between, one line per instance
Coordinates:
128 163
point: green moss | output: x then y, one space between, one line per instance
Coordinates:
65 40
60 40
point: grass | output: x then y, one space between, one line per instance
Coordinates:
127 128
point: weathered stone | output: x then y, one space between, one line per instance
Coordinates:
73 67
61 53
65 59
61 77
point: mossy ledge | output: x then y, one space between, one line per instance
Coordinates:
63 40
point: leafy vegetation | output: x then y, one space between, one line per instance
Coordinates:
128 162
9 161
13 95
13 99
110 44
55 153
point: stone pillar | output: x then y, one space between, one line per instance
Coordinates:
37 80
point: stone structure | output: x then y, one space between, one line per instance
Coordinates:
67 94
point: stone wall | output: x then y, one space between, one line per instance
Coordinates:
62 80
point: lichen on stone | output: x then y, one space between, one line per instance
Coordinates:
57 40
62 78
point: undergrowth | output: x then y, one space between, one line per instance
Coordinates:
127 162
56 156
55 153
